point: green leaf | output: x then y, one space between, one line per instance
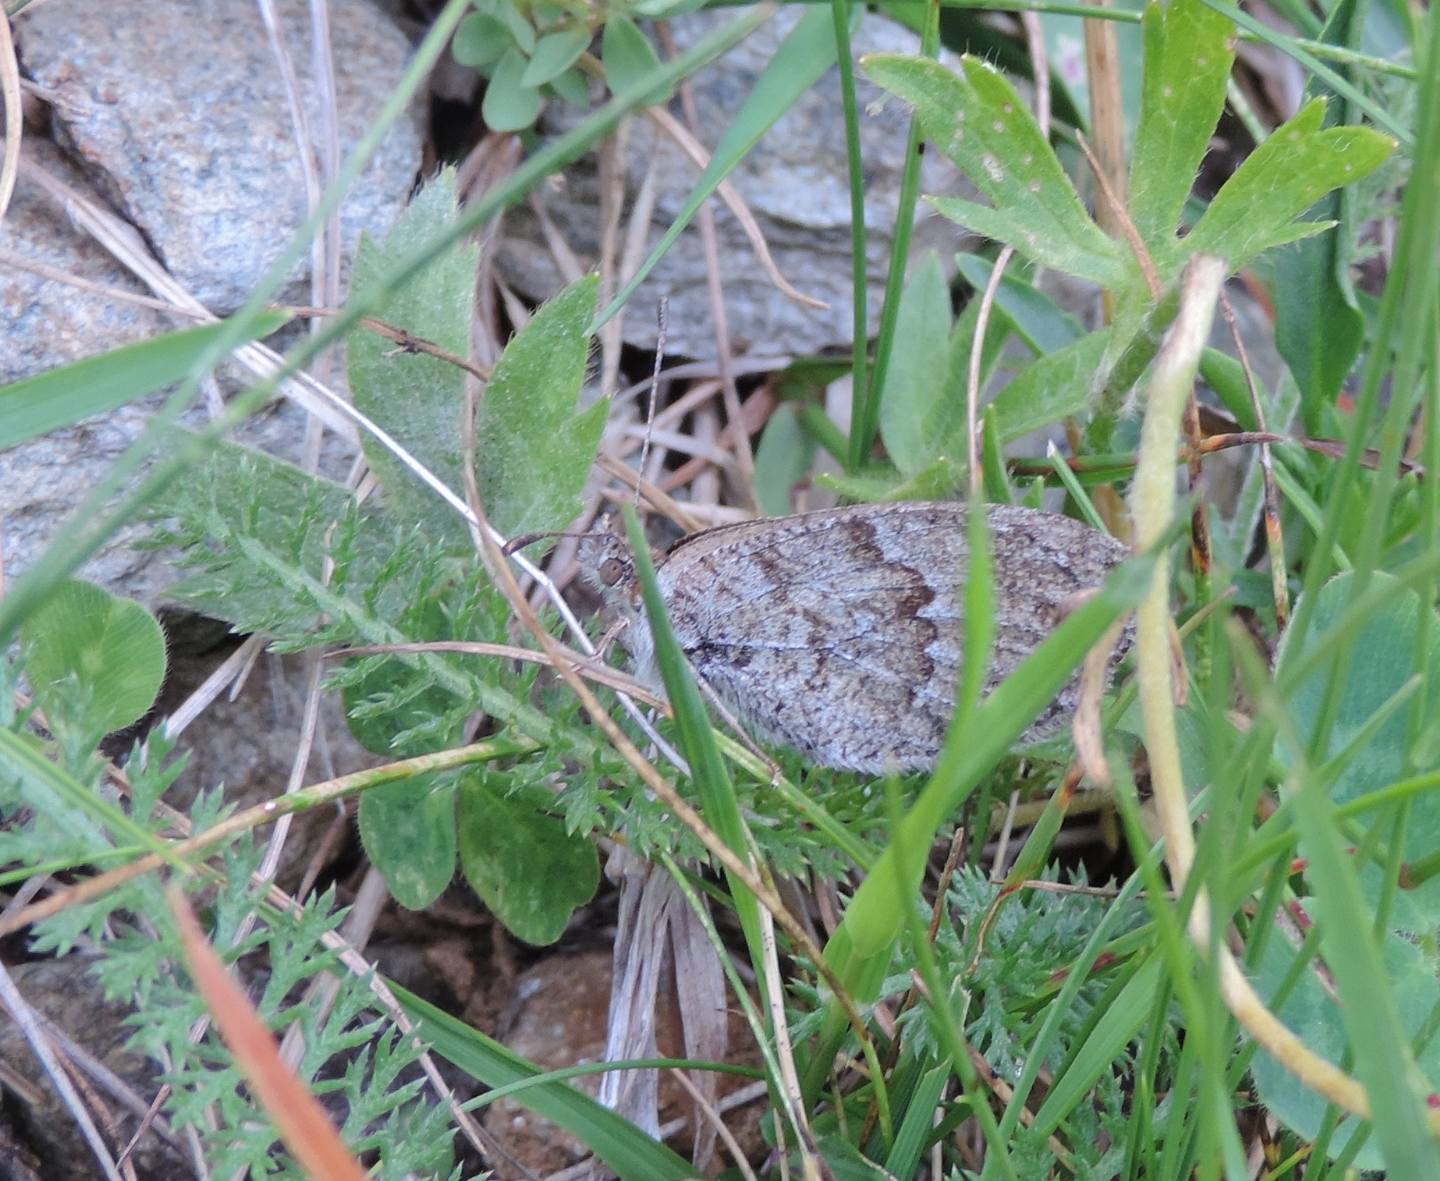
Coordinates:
1319 328
533 449
394 678
516 20
630 60
803 56
481 41
1105 1044
1281 179
417 398
1384 656
1189 49
978 121
1382 659
571 87
1037 319
1311 1011
1051 388
509 104
95 661
408 829
31 407
526 868
554 54
915 380
718 802
781 461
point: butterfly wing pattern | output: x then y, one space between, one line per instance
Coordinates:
839 632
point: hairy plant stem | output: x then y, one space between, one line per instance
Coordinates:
1152 504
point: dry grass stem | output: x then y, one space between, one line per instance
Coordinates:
1112 204
28 1022
1153 502
14 131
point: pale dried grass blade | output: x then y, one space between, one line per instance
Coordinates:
10 95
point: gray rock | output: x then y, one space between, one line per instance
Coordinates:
49 324
178 113
795 181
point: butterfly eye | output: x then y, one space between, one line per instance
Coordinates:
612 570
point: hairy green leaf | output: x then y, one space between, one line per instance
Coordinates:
417 398
1189 48
1280 180
533 448
95 661
978 121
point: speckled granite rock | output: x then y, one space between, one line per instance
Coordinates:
795 181
178 112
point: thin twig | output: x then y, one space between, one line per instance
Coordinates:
712 1116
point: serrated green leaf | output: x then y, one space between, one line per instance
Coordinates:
1281 179
408 829
31 407
978 121
510 105
915 380
422 703
1189 49
95 661
554 54
481 41
533 449
630 60
526 868
417 398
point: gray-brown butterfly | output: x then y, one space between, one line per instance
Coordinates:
840 632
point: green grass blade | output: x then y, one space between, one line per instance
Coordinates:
622 1146
697 739
63 396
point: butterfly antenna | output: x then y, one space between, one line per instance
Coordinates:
662 316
